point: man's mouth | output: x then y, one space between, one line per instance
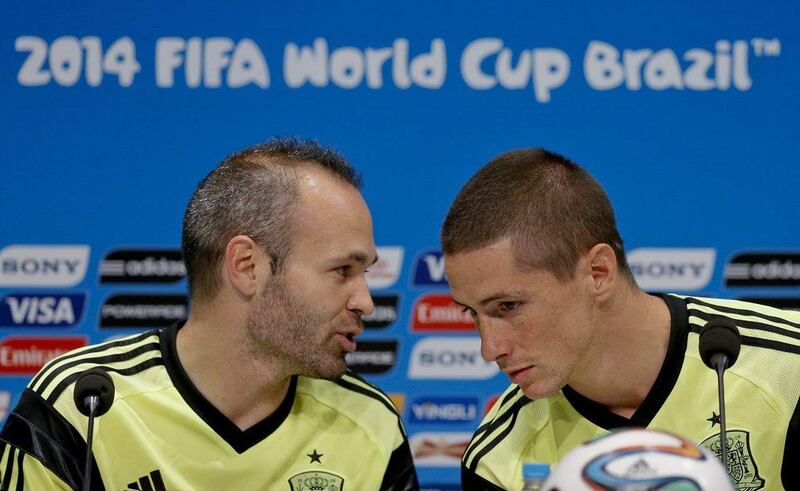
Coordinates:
516 374
347 340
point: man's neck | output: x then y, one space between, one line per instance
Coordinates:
213 352
632 342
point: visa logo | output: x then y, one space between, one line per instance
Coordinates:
41 309
444 410
429 270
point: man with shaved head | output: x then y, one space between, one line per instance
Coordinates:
532 251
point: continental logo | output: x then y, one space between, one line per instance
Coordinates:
142 266
373 357
23 309
133 310
26 355
43 265
439 312
439 449
763 269
385 312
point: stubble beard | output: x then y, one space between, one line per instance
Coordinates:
283 327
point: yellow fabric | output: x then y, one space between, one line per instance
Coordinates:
150 427
761 392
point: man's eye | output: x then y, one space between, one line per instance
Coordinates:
469 311
343 270
508 306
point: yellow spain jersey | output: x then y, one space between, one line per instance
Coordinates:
161 434
761 393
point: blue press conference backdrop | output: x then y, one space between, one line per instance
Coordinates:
111 114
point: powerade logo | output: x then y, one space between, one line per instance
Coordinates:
429 269
441 409
672 268
27 355
763 269
37 265
385 312
372 357
126 310
450 358
386 271
41 310
439 312
143 266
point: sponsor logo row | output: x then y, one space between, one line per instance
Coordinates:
439 358
432 312
685 269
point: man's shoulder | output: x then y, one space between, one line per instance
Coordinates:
499 423
764 329
770 351
501 438
349 393
742 308
357 401
122 358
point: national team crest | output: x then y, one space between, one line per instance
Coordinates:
741 465
316 481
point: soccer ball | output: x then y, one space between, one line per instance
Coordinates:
639 460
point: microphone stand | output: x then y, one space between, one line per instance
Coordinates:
92 402
720 362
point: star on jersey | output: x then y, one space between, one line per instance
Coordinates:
315 457
714 419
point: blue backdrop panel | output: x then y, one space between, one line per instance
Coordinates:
111 114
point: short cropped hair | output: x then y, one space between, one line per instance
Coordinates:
552 209
253 192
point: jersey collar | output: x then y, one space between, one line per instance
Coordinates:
665 382
239 440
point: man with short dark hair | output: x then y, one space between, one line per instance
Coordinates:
532 251
252 392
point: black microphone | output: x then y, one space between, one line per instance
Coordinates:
720 343
94 394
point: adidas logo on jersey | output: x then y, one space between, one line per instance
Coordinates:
150 482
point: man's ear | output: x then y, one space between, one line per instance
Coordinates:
601 263
245 262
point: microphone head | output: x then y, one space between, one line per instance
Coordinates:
720 336
94 382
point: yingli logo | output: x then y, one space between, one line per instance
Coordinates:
439 312
27 355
